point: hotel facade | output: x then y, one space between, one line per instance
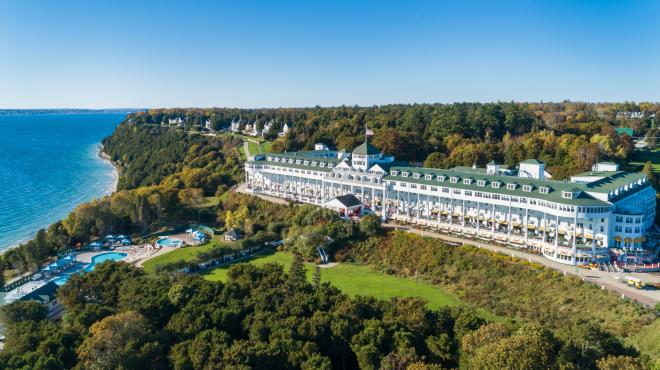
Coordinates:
597 216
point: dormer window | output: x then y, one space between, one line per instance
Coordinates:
567 194
298 161
394 172
330 165
527 187
306 163
544 190
417 175
481 182
428 177
453 180
442 178
404 174
322 164
511 186
467 181
496 184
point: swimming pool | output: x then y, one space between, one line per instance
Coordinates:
110 256
170 242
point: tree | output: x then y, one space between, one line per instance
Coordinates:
19 311
370 225
317 276
648 171
117 341
297 275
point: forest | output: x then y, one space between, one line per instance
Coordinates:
118 317
568 136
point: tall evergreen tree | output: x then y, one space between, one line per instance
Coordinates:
317 276
297 277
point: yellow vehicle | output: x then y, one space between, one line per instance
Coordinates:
633 281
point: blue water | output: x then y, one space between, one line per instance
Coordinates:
110 256
49 165
170 242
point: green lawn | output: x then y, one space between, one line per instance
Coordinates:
361 280
181 254
644 156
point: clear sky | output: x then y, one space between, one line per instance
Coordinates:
116 53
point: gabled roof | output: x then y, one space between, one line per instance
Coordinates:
44 294
532 161
366 149
347 200
233 233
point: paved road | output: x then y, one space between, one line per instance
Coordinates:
600 278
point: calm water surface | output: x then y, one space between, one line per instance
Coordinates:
48 165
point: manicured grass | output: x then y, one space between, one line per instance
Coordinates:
180 254
644 156
361 280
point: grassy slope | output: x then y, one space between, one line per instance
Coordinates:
180 254
648 340
360 280
642 157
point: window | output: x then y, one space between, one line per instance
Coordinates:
637 229
413 186
467 181
453 180
602 229
544 190
496 184
395 172
416 175
481 182
468 193
618 229
445 190
404 173
566 194
511 186
428 177
527 187
456 191
628 229
441 178
403 184
433 188
619 218
638 220
629 220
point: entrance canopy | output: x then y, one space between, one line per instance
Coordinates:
347 205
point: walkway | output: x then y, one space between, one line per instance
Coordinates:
242 188
600 278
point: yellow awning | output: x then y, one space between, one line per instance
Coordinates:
617 238
627 240
531 227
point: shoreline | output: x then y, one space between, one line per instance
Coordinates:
110 189
115 169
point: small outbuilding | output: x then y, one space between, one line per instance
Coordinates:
232 235
47 295
348 205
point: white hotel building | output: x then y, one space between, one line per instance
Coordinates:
596 216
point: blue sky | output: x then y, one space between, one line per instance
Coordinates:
98 54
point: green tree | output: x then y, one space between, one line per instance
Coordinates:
297 276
